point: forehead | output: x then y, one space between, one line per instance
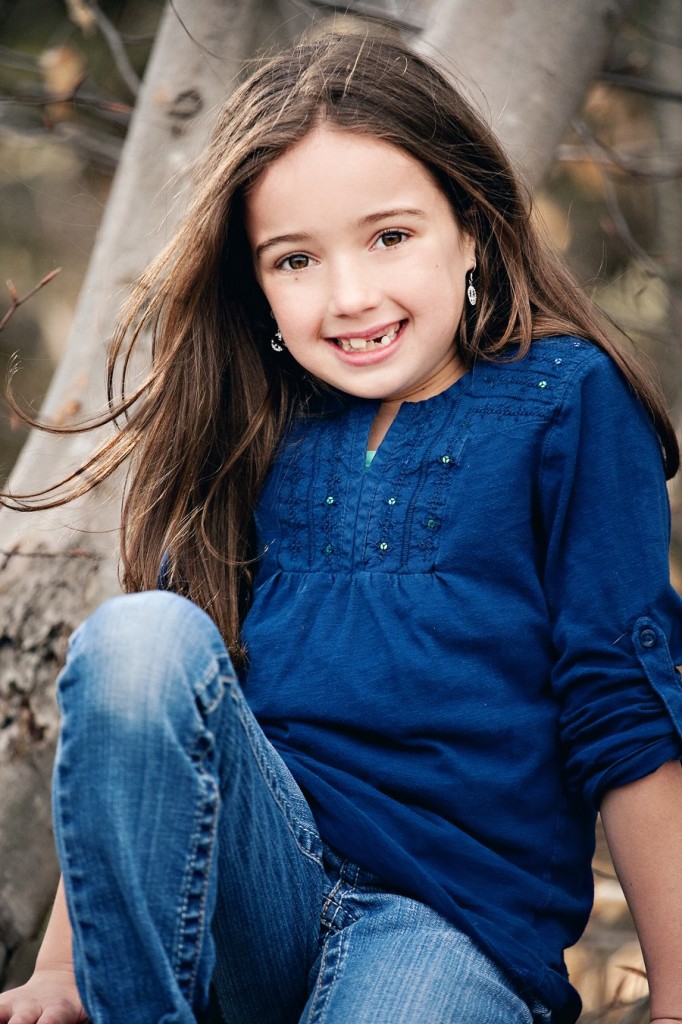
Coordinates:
333 172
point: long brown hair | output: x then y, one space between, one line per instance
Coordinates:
204 426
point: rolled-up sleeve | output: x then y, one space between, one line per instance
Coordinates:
617 621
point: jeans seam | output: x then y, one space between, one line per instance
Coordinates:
191 922
191 931
296 826
214 670
322 986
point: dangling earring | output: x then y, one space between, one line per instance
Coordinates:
277 343
471 291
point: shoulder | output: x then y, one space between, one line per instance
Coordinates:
598 419
550 363
555 374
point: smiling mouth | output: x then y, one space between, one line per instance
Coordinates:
369 344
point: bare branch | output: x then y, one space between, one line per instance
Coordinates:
74 553
17 301
141 40
10 58
388 12
117 49
641 85
114 110
613 206
189 35
650 168
97 147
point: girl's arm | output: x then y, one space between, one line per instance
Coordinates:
50 996
643 825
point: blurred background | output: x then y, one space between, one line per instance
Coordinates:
69 72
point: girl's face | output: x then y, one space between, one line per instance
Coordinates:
363 264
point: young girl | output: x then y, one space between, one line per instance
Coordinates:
390 450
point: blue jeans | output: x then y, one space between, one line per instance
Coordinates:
190 855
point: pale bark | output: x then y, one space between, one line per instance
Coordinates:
525 64
56 567
666 350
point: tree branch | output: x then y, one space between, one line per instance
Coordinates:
113 109
649 168
117 49
640 85
389 12
16 301
613 206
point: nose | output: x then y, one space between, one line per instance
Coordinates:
352 288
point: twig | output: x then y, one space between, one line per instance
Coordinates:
133 40
641 85
390 13
74 553
613 206
652 169
197 43
99 148
16 301
95 146
10 58
118 112
623 228
117 49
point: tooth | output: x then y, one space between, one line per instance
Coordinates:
389 336
358 343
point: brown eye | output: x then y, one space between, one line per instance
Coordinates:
389 239
296 262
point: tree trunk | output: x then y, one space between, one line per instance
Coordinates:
533 68
667 351
526 65
57 567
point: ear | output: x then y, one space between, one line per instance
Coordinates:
469 250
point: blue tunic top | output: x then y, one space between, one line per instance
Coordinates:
459 649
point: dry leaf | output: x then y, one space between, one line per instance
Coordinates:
82 14
62 68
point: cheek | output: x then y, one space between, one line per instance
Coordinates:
282 303
294 313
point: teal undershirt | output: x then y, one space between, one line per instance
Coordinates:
369 455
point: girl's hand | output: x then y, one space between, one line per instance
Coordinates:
50 996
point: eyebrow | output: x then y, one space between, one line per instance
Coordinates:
400 211
371 218
294 238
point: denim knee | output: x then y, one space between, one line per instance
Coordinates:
144 651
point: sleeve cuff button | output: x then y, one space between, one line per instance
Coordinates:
647 638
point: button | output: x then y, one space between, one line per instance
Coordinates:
446 460
330 499
647 638
542 384
328 549
432 523
383 546
391 501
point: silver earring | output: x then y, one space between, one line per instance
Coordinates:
277 343
471 291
